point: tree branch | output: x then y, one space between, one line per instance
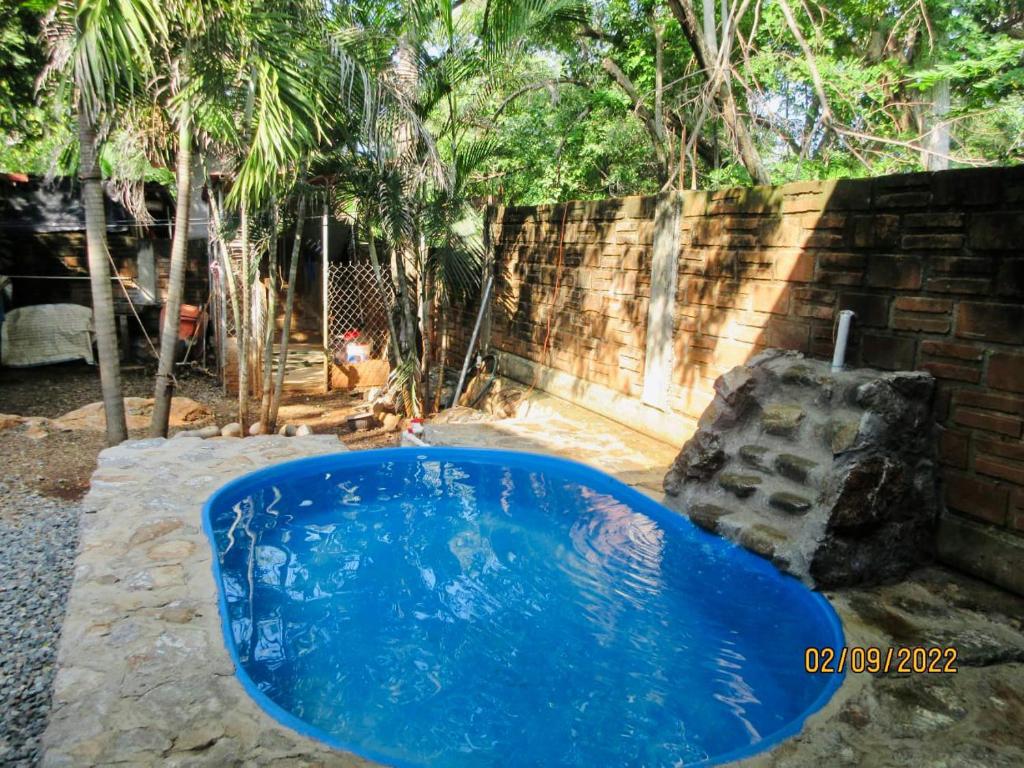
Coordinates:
717 75
535 87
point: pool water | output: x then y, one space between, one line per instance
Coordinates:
456 607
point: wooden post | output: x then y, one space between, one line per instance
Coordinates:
326 299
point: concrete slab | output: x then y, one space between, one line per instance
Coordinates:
143 675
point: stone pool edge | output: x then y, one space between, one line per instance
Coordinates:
143 674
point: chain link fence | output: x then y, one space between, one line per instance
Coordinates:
357 313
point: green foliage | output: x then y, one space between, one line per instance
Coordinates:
271 82
20 61
879 64
581 144
30 140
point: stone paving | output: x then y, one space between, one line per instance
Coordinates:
144 677
558 427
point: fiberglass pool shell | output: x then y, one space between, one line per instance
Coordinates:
462 607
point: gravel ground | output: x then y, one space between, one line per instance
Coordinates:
53 390
38 539
60 464
41 485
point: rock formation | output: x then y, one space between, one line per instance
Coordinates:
831 475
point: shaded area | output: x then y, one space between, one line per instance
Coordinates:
929 263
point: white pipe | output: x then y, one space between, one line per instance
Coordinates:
408 440
842 336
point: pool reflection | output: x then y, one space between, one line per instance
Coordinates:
447 612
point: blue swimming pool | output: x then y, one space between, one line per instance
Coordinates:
461 607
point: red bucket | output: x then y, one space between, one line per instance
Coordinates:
189 320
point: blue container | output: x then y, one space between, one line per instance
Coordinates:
462 607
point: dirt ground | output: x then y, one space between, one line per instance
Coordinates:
61 463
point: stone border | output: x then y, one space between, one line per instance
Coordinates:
144 676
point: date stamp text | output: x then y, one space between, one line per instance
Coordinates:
876 660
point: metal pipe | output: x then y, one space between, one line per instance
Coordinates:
472 339
842 336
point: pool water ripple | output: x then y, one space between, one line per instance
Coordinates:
459 608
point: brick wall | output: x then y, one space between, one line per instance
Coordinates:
932 264
573 286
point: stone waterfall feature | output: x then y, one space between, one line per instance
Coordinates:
831 475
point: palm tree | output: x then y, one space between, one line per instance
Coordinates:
100 283
236 79
106 46
267 389
191 91
175 283
289 303
411 185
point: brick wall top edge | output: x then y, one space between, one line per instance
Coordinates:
976 186
635 206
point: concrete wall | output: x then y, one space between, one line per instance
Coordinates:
932 264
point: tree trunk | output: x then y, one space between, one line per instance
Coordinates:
175 284
409 327
710 37
289 303
937 154
407 75
396 350
225 260
442 362
268 335
99 282
244 328
742 142
649 118
426 321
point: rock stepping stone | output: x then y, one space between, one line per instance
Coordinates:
741 486
782 420
764 540
706 516
790 502
801 374
205 433
842 434
794 467
753 456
